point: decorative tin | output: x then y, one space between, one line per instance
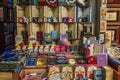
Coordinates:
61 60
51 60
80 72
67 72
41 61
30 61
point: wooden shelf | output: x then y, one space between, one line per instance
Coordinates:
113 23
113 5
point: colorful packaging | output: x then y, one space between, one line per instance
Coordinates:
91 59
54 72
62 48
80 72
51 60
67 72
99 74
61 59
41 61
102 59
90 71
57 48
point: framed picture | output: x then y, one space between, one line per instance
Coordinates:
112 16
88 29
103 12
114 34
102 37
108 38
103 25
113 1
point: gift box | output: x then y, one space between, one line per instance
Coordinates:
91 59
102 59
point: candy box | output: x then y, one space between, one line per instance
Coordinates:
67 72
102 59
41 61
30 61
90 71
80 72
61 60
54 72
51 60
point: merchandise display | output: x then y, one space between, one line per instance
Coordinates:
59 40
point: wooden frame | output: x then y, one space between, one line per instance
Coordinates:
102 37
112 16
114 34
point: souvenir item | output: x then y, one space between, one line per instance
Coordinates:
62 48
30 61
25 37
39 35
49 19
51 49
48 38
79 72
34 2
46 49
32 39
90 71
67 72
62 37
71 61
102 59
54 72
69 34
20 19
87 42
51 60
54 34
65 19
57 48
41 61
61 59
48 3
91 60
35 19
99 74
18 39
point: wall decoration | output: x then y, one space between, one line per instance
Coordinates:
103 12
112 16
103 25
108 38
102 37
114 34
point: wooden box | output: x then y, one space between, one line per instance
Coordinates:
9 76
114 65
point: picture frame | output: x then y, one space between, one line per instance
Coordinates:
113 1
103 26
102 37
112 16
114 34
